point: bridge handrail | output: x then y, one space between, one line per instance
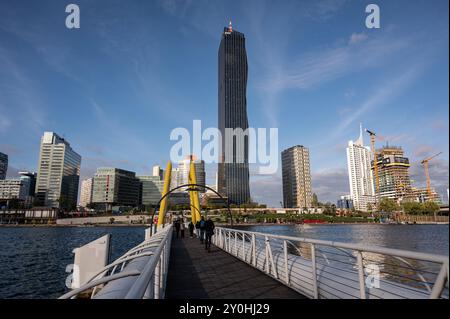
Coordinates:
337 244
149 277
277 259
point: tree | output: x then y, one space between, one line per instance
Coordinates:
387 205
315 200
413 208
430 207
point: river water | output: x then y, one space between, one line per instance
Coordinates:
33 260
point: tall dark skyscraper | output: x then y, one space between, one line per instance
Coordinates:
3 165
233 175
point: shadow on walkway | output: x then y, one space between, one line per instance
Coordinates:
195 273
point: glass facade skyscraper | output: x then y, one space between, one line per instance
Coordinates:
233 170
3 165
114 186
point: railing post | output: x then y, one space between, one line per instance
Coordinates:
254 250
266 240
225 241
270 258
285 262
235 244
362 284
157 279
150 291
439 284
243 247
314 271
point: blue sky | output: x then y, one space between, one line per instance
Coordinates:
135 70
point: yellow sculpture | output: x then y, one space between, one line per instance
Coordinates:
166 189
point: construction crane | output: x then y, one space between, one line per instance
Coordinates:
427 174
375 162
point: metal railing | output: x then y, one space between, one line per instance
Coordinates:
141 273
327 269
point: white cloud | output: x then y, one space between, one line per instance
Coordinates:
357 37
5 123
330 184
379 97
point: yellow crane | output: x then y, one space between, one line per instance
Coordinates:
375 162
427 174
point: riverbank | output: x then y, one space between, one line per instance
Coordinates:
71 225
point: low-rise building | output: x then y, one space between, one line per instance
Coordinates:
151 190
115 187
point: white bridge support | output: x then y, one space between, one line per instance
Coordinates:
325 269
141 273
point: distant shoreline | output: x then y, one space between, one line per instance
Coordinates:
217 225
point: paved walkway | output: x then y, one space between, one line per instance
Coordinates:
195 273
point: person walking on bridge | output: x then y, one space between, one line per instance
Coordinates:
182 228
191 229
209 232
202 229
177 227
197 229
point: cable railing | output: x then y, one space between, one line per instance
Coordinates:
327 269
140 273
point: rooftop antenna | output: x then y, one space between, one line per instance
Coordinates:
230 27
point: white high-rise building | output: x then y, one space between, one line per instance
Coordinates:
86 192
58 174
360 176
184 168
174 179
158 171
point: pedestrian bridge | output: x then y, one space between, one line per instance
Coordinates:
243 264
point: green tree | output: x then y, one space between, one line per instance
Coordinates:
413 208
387 205
430 207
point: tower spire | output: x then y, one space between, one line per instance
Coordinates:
360 140
230 27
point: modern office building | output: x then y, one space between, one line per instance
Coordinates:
174 180
158 171
233 168
345 202
29 179
115 187
13 188
184 169
29 183
296 177
151 190
393 175
58 173
3 165
360 175
86 192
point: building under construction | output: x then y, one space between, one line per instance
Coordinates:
394 181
